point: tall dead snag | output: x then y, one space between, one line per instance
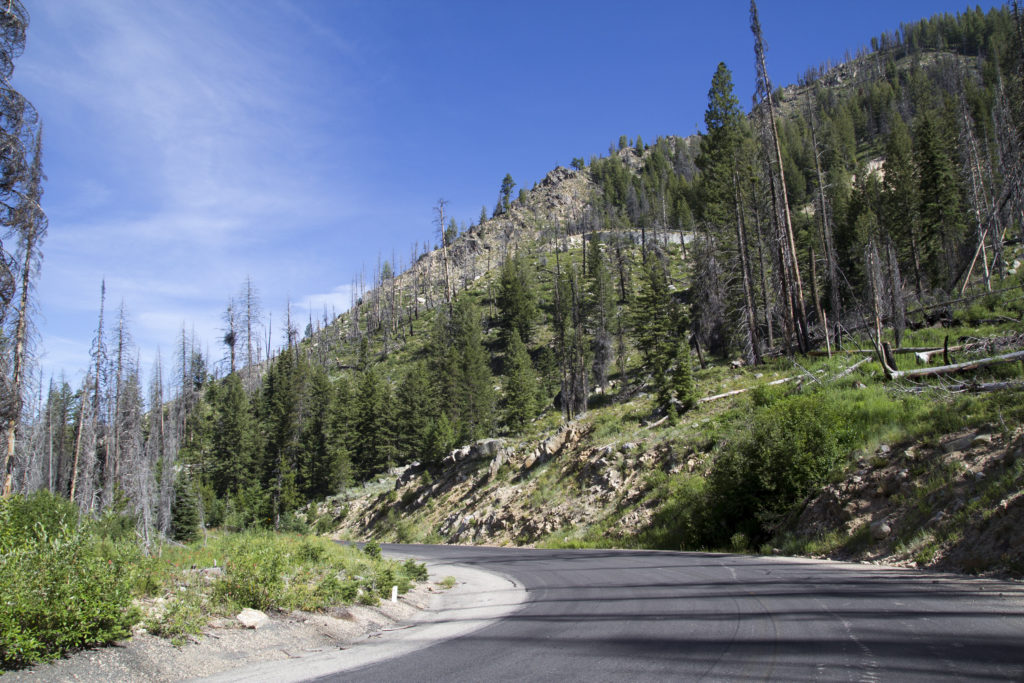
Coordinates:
22 217
978 196
439 221
823 210
30 226
790 266
250 324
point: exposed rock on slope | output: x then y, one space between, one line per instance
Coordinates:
951 505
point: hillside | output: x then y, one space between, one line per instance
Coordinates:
688 343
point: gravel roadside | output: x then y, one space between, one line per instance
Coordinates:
293 645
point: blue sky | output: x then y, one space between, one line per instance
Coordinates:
189 144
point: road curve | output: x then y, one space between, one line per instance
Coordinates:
600 615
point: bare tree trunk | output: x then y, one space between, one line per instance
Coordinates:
750 307
831 265
439 211
790 262
30 223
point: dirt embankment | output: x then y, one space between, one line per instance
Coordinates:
955 504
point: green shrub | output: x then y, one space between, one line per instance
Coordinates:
311 552
39 515
372 550
184 616
253 576
677 522
324 525
62 588
792 446
291 523
416 571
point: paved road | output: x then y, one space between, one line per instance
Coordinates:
636 615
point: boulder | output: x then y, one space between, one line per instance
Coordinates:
485 448
252 618
964 442
880 530
554 443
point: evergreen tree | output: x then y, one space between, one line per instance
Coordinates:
339 431
440 439
373 448
416 413
520 385
722 159
320 465
474 396
184 511
601 313
653 326
941 202
517 299
234 438
282 413
661 333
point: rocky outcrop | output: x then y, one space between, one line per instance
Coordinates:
496 492
922 505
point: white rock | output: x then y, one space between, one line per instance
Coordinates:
252 618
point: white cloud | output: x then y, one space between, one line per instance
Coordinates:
191 153
337 300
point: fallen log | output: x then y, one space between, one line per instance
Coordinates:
850 369
954 368
734 392
901 350
970 387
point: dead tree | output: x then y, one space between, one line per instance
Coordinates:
790 266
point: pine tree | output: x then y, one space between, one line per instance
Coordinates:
474 396
653 322
941 202
416 413
517 299
601 313
184 511
320 467
234 438
900 201
372 438
721 159
520 385
339 430
281 416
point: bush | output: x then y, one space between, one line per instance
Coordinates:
794 443
372 550
61 587
253 577
416 571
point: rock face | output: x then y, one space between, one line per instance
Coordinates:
252 618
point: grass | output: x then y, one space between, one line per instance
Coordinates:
266 571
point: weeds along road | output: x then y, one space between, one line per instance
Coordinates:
600 615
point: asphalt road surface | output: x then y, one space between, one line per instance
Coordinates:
641 615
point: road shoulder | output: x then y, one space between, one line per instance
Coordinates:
478 599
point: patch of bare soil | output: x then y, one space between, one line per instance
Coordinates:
225 644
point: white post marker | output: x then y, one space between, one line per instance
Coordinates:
394 594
